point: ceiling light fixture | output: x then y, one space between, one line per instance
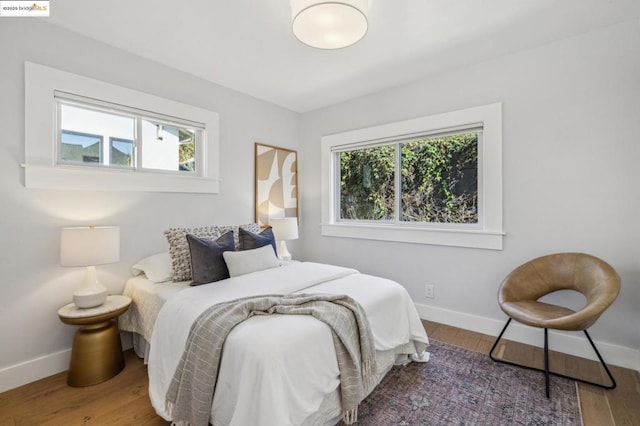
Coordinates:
329 24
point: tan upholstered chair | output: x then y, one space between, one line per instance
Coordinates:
519 293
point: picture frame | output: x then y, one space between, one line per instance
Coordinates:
276 183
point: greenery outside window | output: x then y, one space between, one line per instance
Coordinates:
432 180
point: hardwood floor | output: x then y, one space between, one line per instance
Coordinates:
124 400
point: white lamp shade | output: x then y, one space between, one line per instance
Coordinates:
329 24
89 246
285 228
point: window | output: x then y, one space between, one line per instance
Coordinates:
135 141
432 180
439 179
86 134
166 147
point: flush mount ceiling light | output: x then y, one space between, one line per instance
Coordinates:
329 24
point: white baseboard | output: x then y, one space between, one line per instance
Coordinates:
564 342
34 369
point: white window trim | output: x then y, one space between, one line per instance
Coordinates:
488 234
42 170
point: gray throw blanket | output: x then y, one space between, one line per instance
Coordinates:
190 394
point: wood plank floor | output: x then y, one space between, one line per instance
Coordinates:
124 400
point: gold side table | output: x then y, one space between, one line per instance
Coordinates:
96 355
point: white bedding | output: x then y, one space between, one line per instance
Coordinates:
148 298
279 369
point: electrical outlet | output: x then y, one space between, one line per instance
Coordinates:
429 291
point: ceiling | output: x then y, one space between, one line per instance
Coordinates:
248 45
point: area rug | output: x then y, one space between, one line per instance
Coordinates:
462 387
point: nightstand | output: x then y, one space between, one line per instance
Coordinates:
97 352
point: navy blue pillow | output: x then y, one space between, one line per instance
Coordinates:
249 240
207 263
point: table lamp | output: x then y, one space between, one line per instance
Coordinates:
90 246
284 229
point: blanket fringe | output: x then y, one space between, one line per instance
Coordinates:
350 416
369 371
366 367
169 407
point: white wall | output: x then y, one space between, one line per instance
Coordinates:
33 285
571 126
571 130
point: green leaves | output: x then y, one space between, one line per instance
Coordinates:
438 180
367 183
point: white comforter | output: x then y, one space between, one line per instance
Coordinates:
276 370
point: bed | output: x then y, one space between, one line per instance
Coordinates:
276 369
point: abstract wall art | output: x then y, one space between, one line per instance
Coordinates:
276 186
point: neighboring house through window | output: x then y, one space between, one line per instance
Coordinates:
121 152
136 140
103 132
77 147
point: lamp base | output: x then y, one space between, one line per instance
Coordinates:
90 300
92 293
283 252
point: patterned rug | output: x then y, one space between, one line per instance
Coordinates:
461 387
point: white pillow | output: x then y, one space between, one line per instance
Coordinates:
158 268
247 261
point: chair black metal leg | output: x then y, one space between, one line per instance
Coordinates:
497 340
613 381
546 361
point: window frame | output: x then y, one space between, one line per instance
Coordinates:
42 168
487 233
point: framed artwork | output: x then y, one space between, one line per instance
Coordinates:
276 186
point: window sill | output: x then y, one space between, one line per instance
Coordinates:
85 178
444 237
